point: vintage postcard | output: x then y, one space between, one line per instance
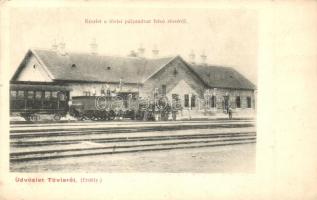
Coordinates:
135 100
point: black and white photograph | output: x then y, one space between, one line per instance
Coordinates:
152 91
131 100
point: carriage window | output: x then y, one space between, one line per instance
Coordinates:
13 94
61 96
38 94
47 94
21 94
30 94
54 94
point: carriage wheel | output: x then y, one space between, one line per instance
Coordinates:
27 117
57 117
33 117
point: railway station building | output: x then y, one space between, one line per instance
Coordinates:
198 86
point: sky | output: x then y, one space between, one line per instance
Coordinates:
229 37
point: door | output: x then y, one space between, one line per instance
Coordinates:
226 103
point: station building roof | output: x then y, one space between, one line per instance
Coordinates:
89 67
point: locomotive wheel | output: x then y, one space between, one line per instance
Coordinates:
83 117
97 118
89 115
93 118
111 115
99 115
104 116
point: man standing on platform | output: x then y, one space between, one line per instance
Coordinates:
230 112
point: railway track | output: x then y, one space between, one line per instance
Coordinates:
82 131
44 144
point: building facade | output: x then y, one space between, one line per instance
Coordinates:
198 87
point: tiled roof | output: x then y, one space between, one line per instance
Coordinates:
99 68
222 77
90 67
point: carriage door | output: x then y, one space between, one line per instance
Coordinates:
62 100
30 100
38 103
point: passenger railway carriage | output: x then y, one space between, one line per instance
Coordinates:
31 100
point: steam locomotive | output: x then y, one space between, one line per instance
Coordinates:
109 108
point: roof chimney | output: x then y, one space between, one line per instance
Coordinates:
203 58
132 53
54 45
155 51
192 57
94 47
141 51
62 48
